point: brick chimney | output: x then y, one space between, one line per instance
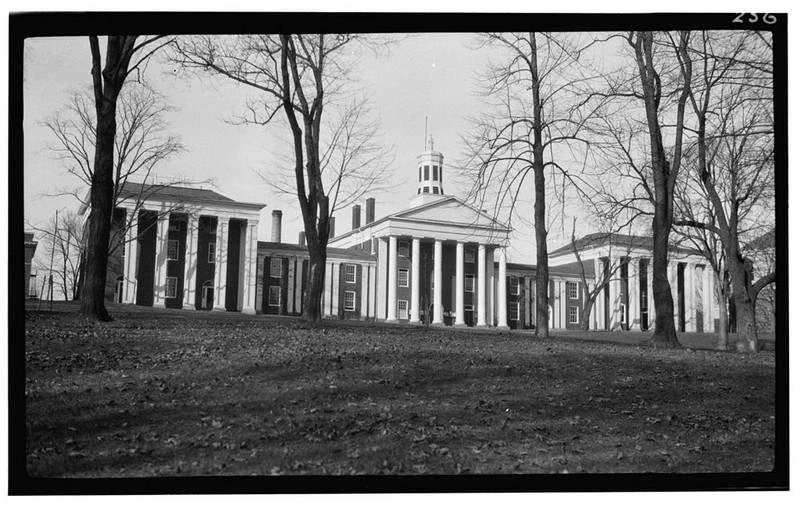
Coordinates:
276 225
370 210
356 217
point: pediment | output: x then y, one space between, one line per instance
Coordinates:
452 211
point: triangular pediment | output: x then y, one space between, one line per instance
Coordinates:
449 210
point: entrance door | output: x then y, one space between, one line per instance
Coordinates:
119 285
208 296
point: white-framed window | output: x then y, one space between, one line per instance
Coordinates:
573 290
469 308
212 252
172 250
350 274
174 226
469 255
513 311
274 296
402 277
513 285
350 301
403 248
469 283
275 268
573 315
402 309
172 287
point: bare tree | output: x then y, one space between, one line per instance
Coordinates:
122 57
61 240
735 153
300 75
141 144
522 133
354 161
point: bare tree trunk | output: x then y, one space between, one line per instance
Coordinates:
102 201
312 309
664 334
587 312
722 337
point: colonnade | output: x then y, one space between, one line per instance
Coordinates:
247 262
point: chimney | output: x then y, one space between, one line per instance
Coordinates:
356 217
276 225
370 210
301 238
332 227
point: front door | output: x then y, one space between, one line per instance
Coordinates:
208 297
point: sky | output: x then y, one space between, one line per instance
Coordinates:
423 76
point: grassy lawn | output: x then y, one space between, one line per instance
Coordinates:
164 392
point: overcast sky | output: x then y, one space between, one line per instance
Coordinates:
426 75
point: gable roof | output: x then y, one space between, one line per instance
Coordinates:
601 239
172 192
303 250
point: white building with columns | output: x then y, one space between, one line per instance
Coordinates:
623 265
186 248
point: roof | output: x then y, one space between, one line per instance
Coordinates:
594 240
302 249
173 191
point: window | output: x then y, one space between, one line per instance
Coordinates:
469 308
402 309
469 255
427 172
435 190
275 268
172 250
350 301
513 285
426 189
174 226
350 274
402 277
573 290
513 311
402 249
172 287
435 173
274 296
212 252
469 283
573 315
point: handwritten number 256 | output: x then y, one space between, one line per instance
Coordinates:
753 18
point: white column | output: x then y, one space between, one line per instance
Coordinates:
459 284
709 294
250 254
502 303
600 300
415 262
380 279
480 283
563 297
689 286
221 266
634 297
131 255
437 283
160 281
491 287
672 272
593 323
364 290
391 315
614 291
190 260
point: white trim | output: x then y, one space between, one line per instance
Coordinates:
175 287
177 249
402 313
344 301
347 267
269 296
